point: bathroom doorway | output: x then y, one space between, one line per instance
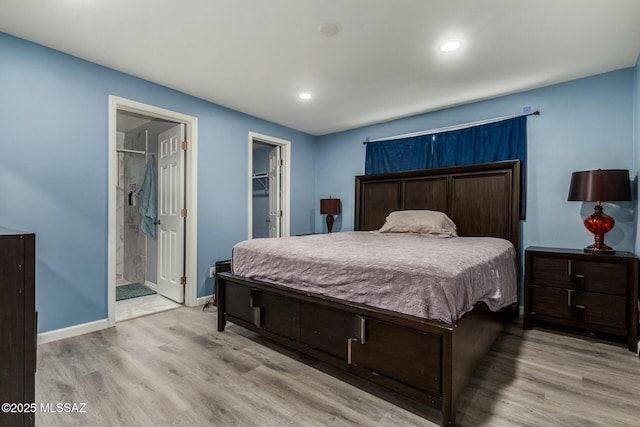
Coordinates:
151 193
137 291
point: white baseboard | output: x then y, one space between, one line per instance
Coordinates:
85 328
151 285
203 300
72 331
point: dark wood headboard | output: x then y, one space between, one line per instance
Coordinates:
482 200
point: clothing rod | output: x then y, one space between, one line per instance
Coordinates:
126 150
449 128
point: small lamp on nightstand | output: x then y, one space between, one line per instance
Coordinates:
602 185
330 207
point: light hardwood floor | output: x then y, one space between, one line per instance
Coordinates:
174 368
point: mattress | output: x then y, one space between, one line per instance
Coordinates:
435 279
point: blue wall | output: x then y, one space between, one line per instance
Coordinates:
584 124
54 173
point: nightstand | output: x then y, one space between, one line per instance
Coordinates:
589 291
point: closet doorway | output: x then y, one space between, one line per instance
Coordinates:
269 168
150 196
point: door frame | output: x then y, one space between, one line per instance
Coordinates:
285 152
191 192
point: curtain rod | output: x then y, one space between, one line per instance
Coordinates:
448 128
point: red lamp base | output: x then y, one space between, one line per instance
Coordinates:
599 247
599 224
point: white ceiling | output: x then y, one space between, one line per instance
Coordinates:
255 56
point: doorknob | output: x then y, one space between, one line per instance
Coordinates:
156 222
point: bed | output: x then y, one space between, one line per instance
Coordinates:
429 360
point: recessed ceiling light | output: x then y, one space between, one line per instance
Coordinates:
328 29
304 95
450 46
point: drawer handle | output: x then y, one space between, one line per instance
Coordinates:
570 270
350 342
570 300
257 317
360 340
257 310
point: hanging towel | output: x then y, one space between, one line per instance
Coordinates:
147 195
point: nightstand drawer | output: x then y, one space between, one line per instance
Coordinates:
590 308
548 301
603 310
602 277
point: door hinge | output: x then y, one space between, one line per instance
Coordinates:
184 145
279 213
183 280
281 162
183 213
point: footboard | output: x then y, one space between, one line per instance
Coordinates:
411 356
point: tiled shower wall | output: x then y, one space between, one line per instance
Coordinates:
131 246
135 250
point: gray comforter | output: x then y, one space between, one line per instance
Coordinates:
437 279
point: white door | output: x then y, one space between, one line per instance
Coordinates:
275 189
170 220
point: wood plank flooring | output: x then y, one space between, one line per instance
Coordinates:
175 369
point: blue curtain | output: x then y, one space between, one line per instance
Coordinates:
491 142
399 155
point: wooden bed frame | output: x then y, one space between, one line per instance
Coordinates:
425 360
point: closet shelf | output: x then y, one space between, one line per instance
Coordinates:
262 178
126 150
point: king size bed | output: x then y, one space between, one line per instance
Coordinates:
410 310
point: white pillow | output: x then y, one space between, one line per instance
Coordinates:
432 223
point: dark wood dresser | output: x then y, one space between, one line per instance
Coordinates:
17 328
589 291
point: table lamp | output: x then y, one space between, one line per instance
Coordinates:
330 207
602 185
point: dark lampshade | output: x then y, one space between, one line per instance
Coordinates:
330 206
602 185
